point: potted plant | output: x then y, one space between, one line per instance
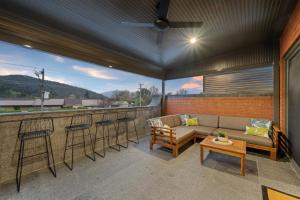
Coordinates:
222 136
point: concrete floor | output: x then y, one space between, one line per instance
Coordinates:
137 173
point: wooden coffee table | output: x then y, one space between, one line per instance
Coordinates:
237 149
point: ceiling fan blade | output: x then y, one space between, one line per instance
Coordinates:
138 24
163 7
185 24
159 37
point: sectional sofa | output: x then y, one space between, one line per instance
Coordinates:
178 135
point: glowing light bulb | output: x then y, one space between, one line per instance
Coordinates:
193 40
27 46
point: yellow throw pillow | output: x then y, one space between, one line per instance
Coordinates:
262 132
192 122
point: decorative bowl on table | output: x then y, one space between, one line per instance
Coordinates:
217 141
223 139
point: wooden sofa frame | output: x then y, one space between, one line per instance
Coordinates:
166 137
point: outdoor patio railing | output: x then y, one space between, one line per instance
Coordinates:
9 144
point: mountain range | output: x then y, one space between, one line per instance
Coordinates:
20 86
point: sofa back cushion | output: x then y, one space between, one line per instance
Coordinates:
177 120
171 120
207 120
236 123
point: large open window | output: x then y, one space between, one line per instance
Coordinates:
240 82
185 86
69 83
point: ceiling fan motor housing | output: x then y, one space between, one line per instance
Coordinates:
161 24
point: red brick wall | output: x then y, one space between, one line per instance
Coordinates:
289 36
256 106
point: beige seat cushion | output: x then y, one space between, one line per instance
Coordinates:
236 123
207 120
204 130
251 139
183 132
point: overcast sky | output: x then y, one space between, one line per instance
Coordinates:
20 60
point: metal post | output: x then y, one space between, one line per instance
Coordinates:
38 73
163 97
43 89
141 94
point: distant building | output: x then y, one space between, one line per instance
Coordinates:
121 104
92 103
29 103
70 102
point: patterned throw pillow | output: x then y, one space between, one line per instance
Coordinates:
155 122
261 123
262 132
192 122
183 119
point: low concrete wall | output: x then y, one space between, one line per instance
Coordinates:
9 143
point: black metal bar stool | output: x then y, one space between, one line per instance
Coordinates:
107 120
32 129
125 118
79 124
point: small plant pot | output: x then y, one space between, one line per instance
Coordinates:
223 139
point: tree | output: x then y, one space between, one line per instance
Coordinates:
154 90
181 92
121 95
146 97
87 95
115 95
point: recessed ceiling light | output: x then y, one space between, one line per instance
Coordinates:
27 46
193 40
110 66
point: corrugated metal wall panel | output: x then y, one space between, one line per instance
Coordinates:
246 81
249 57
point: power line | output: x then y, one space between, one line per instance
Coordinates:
15 64
24 66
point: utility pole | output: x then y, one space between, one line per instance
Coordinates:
42 73
141 94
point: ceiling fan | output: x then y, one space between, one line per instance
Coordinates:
161 24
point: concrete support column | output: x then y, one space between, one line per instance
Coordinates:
163 98
276 85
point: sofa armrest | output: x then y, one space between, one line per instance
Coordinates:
163 133
274 138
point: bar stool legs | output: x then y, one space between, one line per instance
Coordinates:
72 150
116 139
126 123
136 134
100 138
53 171
126 132
20 165
67 147
106 127
49 152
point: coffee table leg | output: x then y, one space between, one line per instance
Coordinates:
201 154
243 166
